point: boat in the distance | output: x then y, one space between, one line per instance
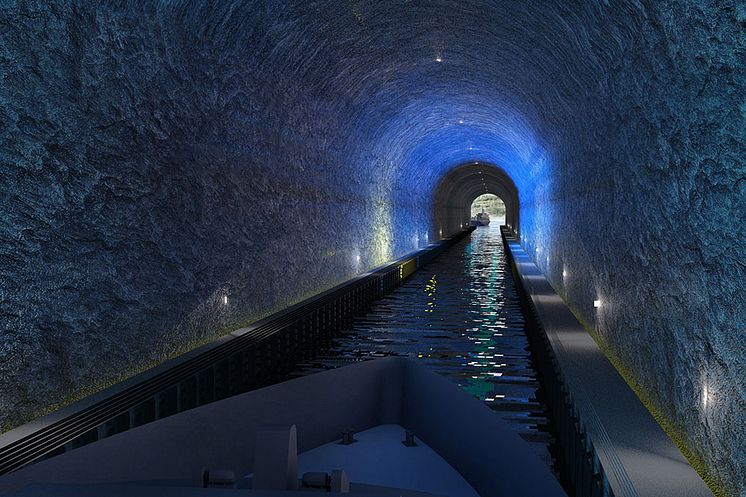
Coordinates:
481 219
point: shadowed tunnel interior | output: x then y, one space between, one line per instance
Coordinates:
458 189
152 153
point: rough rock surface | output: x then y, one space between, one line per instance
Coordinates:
156 157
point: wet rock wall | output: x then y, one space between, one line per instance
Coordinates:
171 170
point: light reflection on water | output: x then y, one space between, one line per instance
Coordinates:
460 316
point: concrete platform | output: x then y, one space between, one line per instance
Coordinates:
639 459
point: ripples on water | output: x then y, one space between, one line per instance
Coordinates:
460 316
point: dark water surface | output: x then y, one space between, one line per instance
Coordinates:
460 316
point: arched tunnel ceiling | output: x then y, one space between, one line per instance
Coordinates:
458 189
149 148
485 100
421 87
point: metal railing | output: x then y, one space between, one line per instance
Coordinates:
244 360
581 473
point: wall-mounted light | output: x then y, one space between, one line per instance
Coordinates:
225 300
597 303
461 121
564 273
438 58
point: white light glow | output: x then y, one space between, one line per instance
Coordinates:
384 248
382 237
597 303
461 121
225 300
705 396
438 58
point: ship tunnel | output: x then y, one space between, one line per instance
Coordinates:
462 185
172 171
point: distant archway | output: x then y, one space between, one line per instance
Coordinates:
457 190
490 204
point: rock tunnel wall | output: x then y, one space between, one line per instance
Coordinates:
160 157
649 216
147 175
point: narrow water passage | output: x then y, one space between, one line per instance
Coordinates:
461 316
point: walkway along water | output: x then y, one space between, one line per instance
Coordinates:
461 316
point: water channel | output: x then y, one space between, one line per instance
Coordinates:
460 316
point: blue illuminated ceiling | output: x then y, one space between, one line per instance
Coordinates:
411 72
159 156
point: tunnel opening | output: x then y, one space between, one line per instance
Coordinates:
458 190
490 204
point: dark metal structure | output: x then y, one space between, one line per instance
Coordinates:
243 360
